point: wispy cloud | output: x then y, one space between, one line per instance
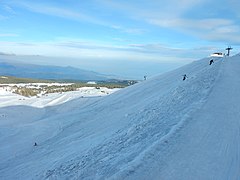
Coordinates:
129 30
203 27
163 50
234 6
8 35
85 50
9 9
75 15
202 24
154 9
3 17
130 18
154 48
173 14
59 12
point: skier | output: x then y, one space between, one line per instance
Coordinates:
184 77
35 144
211 61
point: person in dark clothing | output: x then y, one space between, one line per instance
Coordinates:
35 144
211 61
184 77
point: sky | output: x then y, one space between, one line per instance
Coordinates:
130 38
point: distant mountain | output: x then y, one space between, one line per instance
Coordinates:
14 80
48 72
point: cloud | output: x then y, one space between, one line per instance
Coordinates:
154 48
3 17
103 51
117 39
8 35
59 12
151 15
76 15
9 9
203 24
234 6
197 18
129 30
6 54
163 50
216 25
145 9
216 29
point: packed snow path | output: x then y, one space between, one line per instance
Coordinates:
163 128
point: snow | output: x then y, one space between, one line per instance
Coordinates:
91 82
7 98
161 128
3 77
218 54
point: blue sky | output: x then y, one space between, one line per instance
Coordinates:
112 36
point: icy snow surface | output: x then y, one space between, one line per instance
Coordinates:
162 128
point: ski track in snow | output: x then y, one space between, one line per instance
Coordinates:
136 133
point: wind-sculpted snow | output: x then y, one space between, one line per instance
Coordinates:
114 136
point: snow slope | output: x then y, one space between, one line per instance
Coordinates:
208 147
162 128
23 119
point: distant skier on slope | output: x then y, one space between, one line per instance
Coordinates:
184 77
35 144
211 61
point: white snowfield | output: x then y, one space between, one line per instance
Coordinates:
7 98
162 128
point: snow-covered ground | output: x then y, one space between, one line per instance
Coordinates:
7 98
162 128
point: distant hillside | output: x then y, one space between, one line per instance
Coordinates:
11 79
48 72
